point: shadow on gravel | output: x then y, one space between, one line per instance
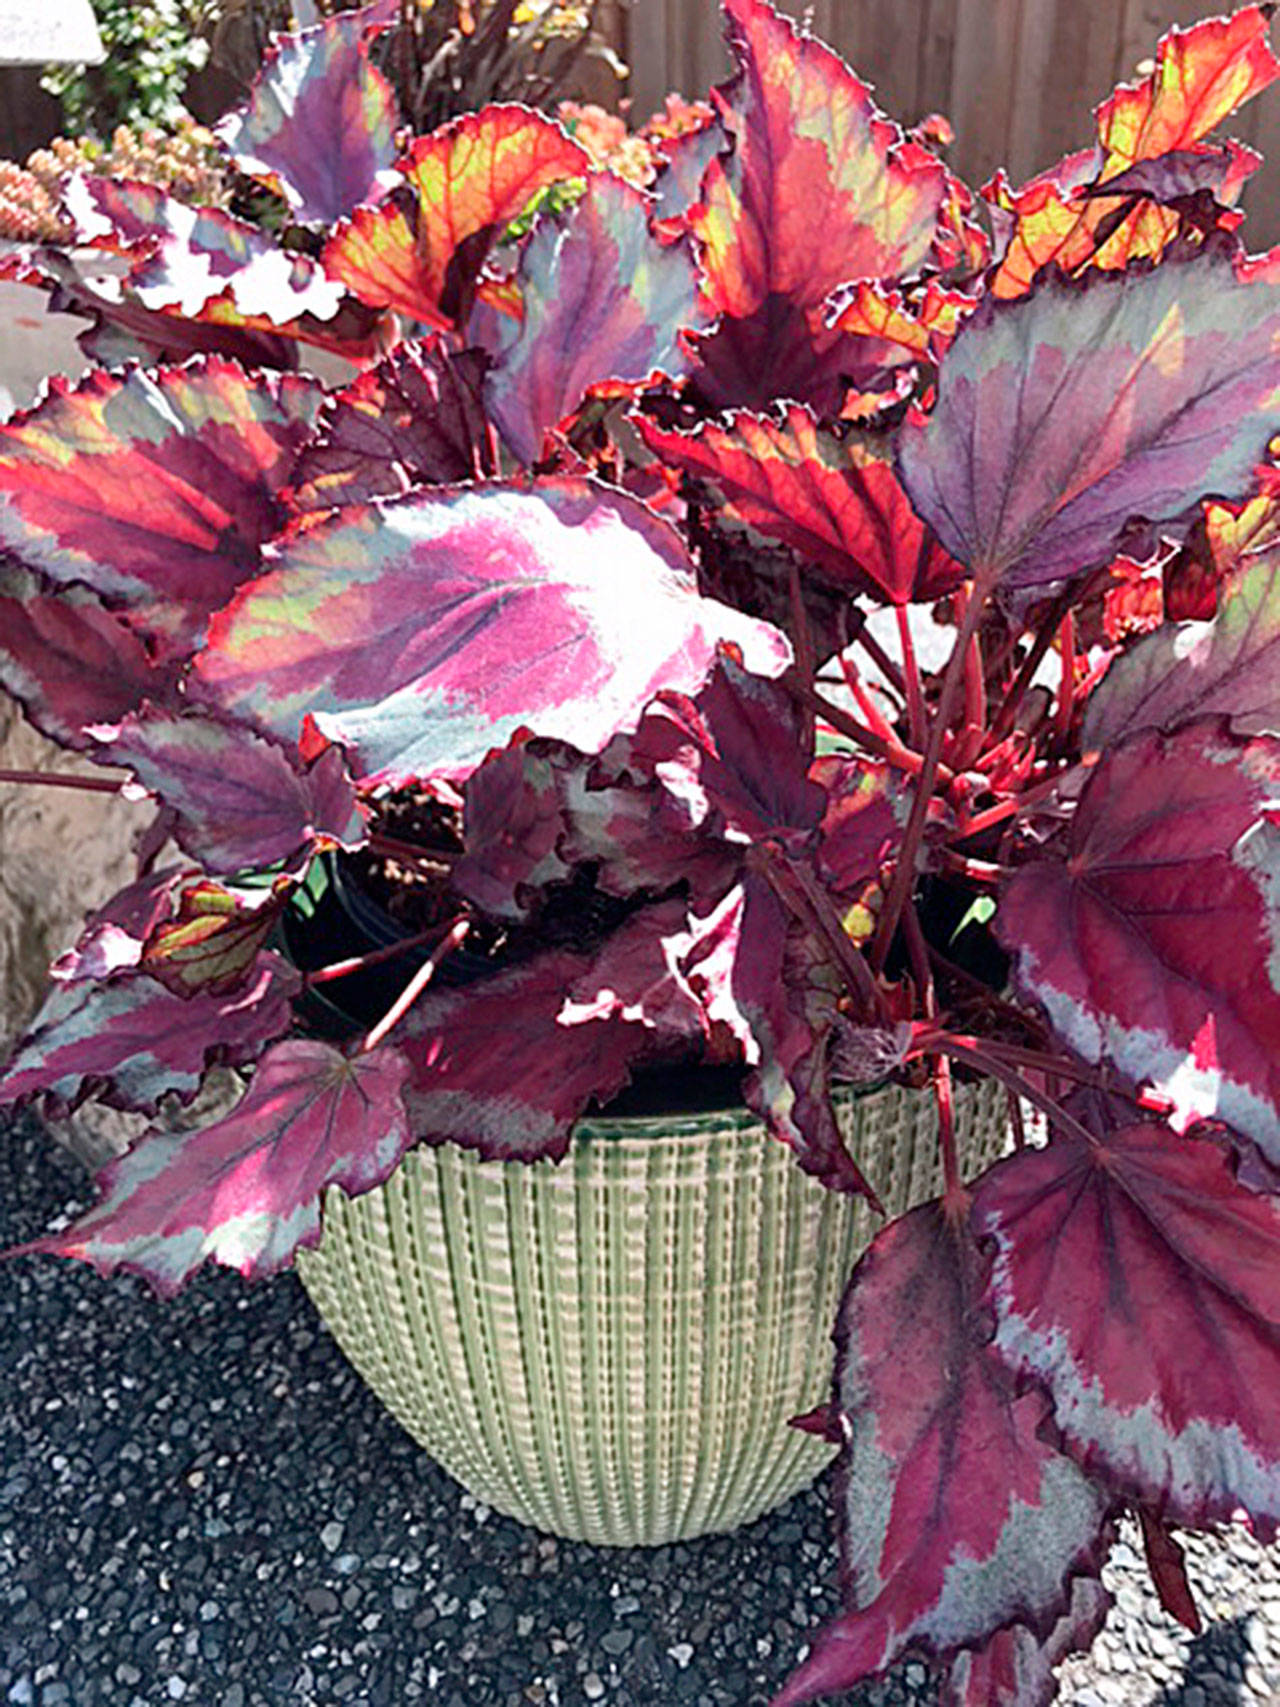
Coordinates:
1214 1675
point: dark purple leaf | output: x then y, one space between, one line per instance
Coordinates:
602 304
138 1042
438 625
1154 945
320 122
241 803
246 1190
1169 177
1168 1570
866 811
956 1518
68 660
1228 667
1135 1280
1067 413
416 419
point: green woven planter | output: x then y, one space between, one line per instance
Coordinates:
609 1348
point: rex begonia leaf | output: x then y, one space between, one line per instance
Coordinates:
1236 532
550 1071
69 661
682 165
139 1042
1135 1280
157 491
213 940
1155 943
204 264
115 935
465 183
240 802
786 993
247 1189
602 306
1201 76
734 751
320 121
424 631
839 503
512 825
866 812
1172 176
1064 415
416 419
820 188
956 1518
1015 1668
906 330
811 154
636 977
1228 667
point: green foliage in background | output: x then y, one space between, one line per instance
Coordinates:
151 48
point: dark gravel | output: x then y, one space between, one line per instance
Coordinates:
200 1502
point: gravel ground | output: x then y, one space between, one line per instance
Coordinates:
200 1502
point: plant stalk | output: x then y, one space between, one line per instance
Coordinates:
416 985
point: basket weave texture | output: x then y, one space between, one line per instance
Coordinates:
609 1348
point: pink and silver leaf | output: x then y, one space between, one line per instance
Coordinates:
1071 412
956 1517
241 802
1014 1668
134 1041
1134 1279
247 1189
426 631
1155 942
603 307
319 125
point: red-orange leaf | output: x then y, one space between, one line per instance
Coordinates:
419 251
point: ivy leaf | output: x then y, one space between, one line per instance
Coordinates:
1228 667
1172 854
811 154
955 1517
1134 1280
424 632
68 660
417 251
157 491
319 125
137 1042
602 305
837 502
246 1190
1064 415
416 419
240 803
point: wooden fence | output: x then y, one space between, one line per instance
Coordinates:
1017 78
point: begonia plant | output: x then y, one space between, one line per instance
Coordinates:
799 617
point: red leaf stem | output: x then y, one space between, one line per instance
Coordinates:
978 1055
1016 1123
904 872
360 962
416 985
866 705
876 652
1066 692
51 779
916 723
892 751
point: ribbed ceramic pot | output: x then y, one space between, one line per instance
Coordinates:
609 1348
